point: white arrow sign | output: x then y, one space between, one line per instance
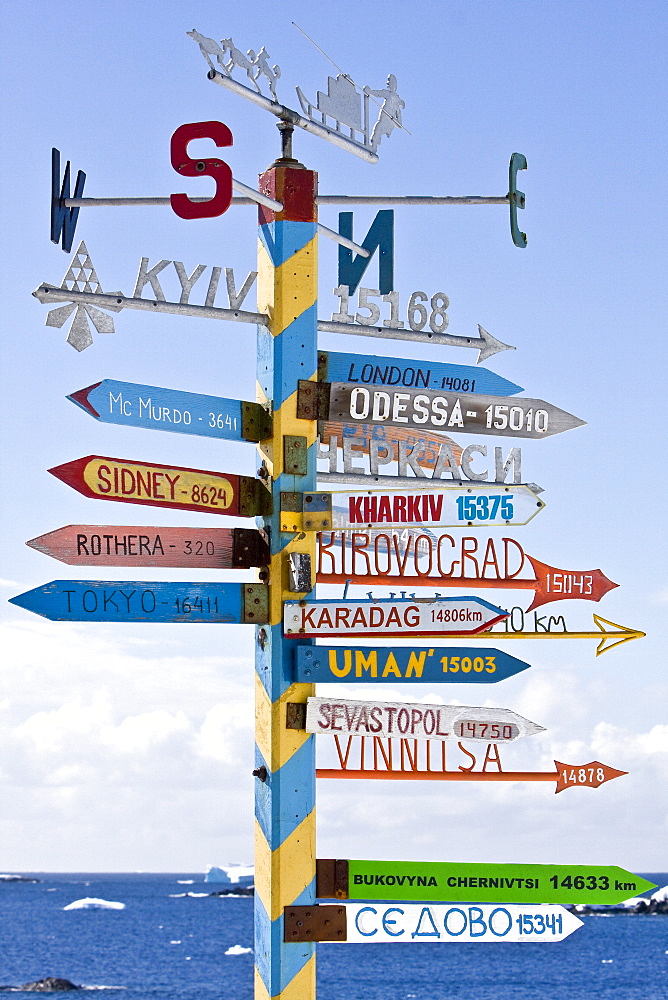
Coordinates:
385 923
424 722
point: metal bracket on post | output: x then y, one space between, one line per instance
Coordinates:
312 400
254 497
249 548
331 878
295 716
256 422
306 511
295 449
314 923
255 604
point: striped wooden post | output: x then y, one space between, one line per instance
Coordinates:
285 802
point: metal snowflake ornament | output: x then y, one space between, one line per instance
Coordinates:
81 277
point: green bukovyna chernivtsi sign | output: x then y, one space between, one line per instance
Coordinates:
448 881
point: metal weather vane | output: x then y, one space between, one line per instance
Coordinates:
82 277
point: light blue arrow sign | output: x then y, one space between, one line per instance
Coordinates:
170 410
146 601
368 369
389 664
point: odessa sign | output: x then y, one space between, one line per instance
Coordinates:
388 664
447 411
414 373
387 616
144 601
383 924
450 506
170 410
449 881
164 486
426 722
138 545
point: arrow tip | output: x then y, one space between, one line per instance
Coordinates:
80 397
491 345
589 775
620 635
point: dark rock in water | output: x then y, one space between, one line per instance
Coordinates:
235 890
17 878
50 985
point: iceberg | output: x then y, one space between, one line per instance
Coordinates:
230 874
90 903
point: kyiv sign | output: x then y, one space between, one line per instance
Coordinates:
165 486
387 616
389 664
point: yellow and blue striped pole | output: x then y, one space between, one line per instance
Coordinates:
285 800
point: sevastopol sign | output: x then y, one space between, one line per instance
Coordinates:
133 405
147 601
129 481
448 881
427 722
417 664
390 617
446 411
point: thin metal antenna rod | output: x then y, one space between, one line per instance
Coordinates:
348 77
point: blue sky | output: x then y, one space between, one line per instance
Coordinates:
129 743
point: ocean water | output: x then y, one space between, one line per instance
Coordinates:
168 945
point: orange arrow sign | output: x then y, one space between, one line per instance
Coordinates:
566 775
429 560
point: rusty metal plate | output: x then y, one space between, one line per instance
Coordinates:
331 878
295 449
249 548
255 603
314 923
256 423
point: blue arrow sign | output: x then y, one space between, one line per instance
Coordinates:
146 601
389 664
170 410
368 369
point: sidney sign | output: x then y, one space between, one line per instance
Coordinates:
413 923
387 616
448 411
426 722
164 486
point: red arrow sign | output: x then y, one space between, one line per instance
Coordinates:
139 545
429 560
129 481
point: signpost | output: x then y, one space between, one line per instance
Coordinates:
147 601
449 881
424 722
368 369
610 637
389 617
445 411
133 405
128 481
435 923
138 545
389 664
418 557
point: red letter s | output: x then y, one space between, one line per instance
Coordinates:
185 165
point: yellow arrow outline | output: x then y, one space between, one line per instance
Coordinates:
623 635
